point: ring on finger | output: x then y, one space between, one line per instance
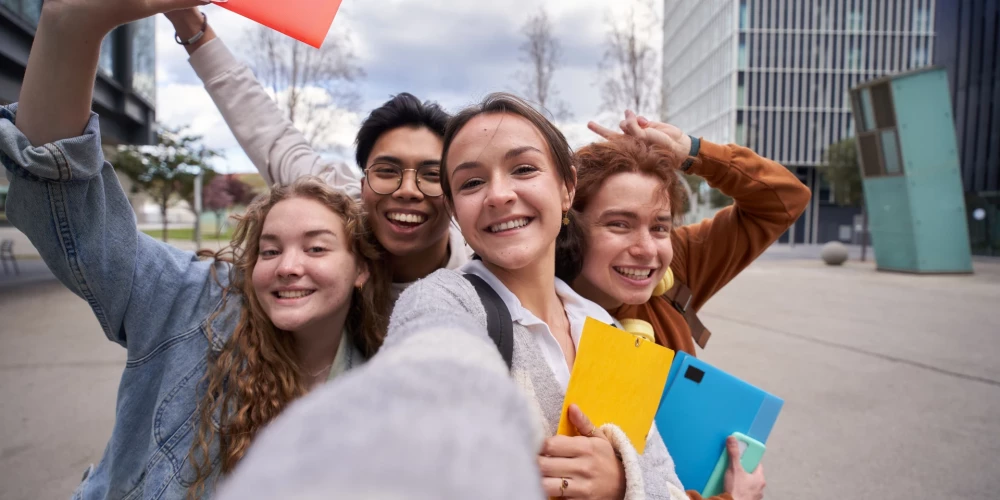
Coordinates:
563 486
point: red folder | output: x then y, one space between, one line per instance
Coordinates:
308 21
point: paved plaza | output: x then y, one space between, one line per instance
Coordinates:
891 381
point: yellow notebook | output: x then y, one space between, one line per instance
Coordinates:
618 378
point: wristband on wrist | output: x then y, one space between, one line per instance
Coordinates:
695 147
198 36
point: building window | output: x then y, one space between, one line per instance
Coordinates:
856 21
741 135
106 63
742 56
144 58
32 10
743 16
867 112
741 92
921 19
854 59
878 142
29 10
890 152
918 57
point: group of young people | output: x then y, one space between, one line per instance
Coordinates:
338 265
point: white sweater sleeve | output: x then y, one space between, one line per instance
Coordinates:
279 151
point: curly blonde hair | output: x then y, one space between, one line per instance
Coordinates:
256 375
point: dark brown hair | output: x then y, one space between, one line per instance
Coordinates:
559 150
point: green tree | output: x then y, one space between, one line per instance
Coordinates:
843 173
166 171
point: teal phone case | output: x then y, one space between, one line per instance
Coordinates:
749 460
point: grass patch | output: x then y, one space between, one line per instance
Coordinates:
187 234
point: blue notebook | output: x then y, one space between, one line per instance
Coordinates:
701 406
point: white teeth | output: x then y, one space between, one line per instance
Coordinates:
410 218
506 226
293 294
633 273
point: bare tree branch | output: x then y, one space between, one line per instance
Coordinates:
311 86
541 53
630 66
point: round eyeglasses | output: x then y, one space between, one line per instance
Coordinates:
386 178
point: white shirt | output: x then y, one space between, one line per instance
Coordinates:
577 310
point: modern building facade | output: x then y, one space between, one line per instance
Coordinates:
968 47
774 75
125 89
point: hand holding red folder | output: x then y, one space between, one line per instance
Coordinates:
308 21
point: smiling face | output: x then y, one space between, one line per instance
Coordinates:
305 272
407 221
628 224
507 194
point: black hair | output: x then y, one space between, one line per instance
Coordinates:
402 110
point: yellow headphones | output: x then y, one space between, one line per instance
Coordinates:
665 284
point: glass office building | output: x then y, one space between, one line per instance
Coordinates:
125 90
968 46
774 75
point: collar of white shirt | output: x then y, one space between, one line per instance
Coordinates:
577 310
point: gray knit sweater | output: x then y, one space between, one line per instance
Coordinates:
436 301
434 415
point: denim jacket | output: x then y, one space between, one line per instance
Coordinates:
151 298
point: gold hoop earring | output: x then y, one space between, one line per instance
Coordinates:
665 284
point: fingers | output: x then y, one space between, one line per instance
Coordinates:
559 467
602 131
631 125
582 423
171 6
565 446
733 447
558 487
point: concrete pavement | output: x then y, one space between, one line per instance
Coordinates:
891 382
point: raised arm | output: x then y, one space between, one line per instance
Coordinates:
767 199
68 201
279 151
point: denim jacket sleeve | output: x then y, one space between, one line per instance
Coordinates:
67 199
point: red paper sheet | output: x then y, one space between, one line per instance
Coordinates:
306 20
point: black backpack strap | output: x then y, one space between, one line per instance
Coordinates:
498 322
680 297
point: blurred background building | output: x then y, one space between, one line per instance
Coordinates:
125 90
774 75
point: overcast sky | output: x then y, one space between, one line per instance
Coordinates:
450 51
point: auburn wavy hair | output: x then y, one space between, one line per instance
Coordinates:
255 375
598 161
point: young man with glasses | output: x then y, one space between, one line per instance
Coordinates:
398 155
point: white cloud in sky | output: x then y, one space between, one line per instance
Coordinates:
447 51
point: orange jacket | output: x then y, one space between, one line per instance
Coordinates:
707 255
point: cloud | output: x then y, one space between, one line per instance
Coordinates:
450 52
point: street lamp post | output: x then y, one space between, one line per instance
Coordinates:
197 209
